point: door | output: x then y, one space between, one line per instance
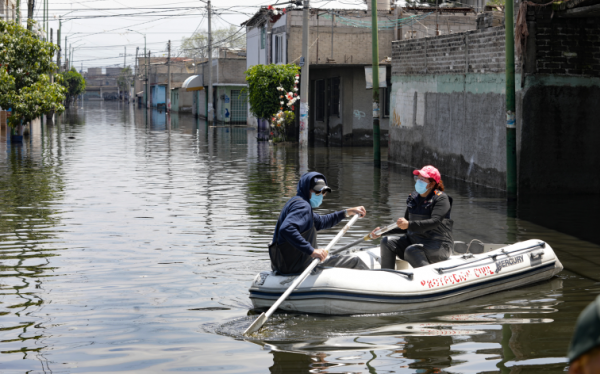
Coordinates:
239 106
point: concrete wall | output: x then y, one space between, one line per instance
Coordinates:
232 70
559 129
202 103
351 45
448 105
225 70
181 100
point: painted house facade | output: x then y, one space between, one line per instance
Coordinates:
230 98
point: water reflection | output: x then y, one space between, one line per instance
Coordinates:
128 240
32 183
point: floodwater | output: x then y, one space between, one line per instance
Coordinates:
128 242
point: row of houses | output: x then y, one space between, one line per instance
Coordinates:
189 84
340 49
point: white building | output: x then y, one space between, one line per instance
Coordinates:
8 10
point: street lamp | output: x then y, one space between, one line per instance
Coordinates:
145 66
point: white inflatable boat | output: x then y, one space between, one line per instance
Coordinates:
473 271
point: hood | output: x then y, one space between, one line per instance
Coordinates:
304 184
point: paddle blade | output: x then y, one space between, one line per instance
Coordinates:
257 324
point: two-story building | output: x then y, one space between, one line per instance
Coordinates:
230 98
340 55
340 104
100 84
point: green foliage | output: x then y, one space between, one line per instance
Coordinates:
263 81
196 46
124 81
25 62
500 3
74 84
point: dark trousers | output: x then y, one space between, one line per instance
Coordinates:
402 247
348 262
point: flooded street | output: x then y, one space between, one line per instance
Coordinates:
128 243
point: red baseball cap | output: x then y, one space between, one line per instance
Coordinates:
429 172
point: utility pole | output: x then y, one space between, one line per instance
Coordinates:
210 78
304 64
137 71
395 21
169 77
51 41
29 13
511 124
148 81
437 16
58 42
146 55
66 51
124 57
44 19
375 45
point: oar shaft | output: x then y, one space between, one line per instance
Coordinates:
387 228
338 250
310 267
365 238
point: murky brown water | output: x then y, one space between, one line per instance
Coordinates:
128 245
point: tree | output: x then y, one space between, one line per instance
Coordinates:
25 65
197 44
74 84
268 86
500 3
124 80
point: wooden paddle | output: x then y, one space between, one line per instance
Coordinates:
366 238
260 321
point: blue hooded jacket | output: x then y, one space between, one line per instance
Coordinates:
297 216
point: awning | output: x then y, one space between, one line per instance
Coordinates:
193 83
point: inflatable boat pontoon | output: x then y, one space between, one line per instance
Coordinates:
475 270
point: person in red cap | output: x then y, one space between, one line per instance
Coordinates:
426 225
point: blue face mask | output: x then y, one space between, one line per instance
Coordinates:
315 200
421 187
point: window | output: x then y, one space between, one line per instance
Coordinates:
386 94
320 100
334 98
263 36
278 49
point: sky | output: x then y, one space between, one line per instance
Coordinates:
100 30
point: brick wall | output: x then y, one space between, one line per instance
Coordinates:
566 46
476 51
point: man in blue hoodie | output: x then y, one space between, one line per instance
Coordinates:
295 239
